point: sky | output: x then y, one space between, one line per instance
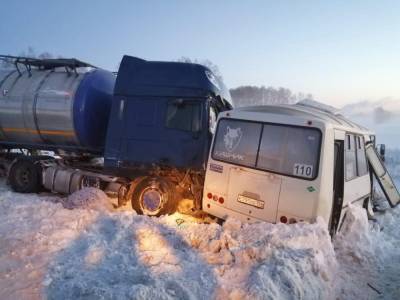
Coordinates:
339 51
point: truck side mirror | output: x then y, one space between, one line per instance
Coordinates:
382 151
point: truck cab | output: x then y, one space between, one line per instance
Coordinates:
162 115
161 124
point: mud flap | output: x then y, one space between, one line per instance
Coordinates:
382 176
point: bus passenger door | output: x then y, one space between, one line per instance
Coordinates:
382 176
338 185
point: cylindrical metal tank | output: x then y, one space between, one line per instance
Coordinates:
55 109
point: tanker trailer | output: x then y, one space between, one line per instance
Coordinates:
59 105
159 121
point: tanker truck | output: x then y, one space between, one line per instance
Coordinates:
143 133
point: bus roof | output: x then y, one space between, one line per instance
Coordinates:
306 112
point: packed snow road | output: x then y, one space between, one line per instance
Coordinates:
78 248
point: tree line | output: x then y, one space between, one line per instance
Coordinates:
248 95
260 95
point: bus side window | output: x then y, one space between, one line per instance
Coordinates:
350 157
362 166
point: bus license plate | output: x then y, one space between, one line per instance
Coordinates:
250 201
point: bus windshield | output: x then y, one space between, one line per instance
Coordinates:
277 148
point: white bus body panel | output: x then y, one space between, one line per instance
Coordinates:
356 189
254 193
340 134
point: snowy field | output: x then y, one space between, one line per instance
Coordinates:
50 251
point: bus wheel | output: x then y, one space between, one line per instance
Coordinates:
25 176
154 196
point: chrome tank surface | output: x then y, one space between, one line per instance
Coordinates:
37 109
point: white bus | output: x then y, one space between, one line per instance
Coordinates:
289 163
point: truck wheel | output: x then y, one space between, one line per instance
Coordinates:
25 176
154 196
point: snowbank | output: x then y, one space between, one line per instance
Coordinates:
51 252
33 230
74 248
368 256
90 198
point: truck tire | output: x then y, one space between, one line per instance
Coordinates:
154 196
25 176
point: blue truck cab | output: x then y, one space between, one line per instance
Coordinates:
161 124
160 115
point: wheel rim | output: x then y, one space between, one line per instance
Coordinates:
23 177
151 201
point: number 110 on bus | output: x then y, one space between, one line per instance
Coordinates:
303 170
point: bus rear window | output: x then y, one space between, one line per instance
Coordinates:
237 142
287 150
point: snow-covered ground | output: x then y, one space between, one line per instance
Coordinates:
50 251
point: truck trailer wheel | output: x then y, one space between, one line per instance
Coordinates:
154 196
25 176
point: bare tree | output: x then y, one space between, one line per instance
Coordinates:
45 54
30 53
206 62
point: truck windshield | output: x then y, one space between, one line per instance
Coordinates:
278 148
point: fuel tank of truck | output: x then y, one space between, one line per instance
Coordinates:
55 109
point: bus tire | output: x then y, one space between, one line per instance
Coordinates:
25 176
154 196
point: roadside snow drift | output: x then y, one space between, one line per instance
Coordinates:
48 251
88 197
369 256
